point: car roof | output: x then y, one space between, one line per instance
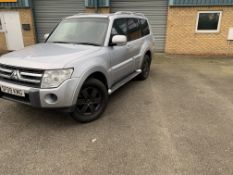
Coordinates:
120 14
86 15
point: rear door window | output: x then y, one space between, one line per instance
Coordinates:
144 27
134 31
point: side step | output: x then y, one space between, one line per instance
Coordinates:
124 81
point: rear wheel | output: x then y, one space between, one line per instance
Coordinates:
145 68
91 102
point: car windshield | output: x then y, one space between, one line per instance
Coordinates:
86 31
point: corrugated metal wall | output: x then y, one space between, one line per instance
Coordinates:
49 13
155 10
200 2
99 3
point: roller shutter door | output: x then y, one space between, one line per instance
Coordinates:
49 12
155 10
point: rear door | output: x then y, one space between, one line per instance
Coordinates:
135 40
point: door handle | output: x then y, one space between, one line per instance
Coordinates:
129 46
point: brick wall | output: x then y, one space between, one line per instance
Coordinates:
182 38
2 43
28 36
26 18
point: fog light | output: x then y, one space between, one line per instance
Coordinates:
50 98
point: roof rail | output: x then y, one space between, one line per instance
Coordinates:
80 14
129 13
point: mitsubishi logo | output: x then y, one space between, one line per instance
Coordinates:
15 75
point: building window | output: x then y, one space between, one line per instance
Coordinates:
208 21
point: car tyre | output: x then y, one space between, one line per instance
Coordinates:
91 102
145 68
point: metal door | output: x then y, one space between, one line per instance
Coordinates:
49 13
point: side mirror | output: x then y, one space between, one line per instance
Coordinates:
46 36
119 40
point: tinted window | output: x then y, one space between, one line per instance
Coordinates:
208 21
145 27
134 31
119 27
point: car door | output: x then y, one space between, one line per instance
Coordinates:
121 59
135 41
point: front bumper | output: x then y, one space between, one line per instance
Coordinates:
36 97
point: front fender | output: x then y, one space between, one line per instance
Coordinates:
85 76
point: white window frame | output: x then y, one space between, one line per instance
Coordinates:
209 31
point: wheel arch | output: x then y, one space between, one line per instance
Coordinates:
149 53
97 73
99 76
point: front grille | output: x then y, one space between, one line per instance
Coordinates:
21 76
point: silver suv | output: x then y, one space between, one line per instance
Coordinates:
83 60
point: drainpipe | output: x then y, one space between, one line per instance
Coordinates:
96 6
31 4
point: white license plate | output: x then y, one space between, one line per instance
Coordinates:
12 91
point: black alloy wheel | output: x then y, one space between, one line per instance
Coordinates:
91 102
145 68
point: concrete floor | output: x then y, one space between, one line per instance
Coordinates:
179 121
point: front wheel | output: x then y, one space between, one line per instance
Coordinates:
145 68
91 102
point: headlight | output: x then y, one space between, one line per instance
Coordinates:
54 78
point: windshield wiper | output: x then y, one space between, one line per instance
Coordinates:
86 43
61 42
81 43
